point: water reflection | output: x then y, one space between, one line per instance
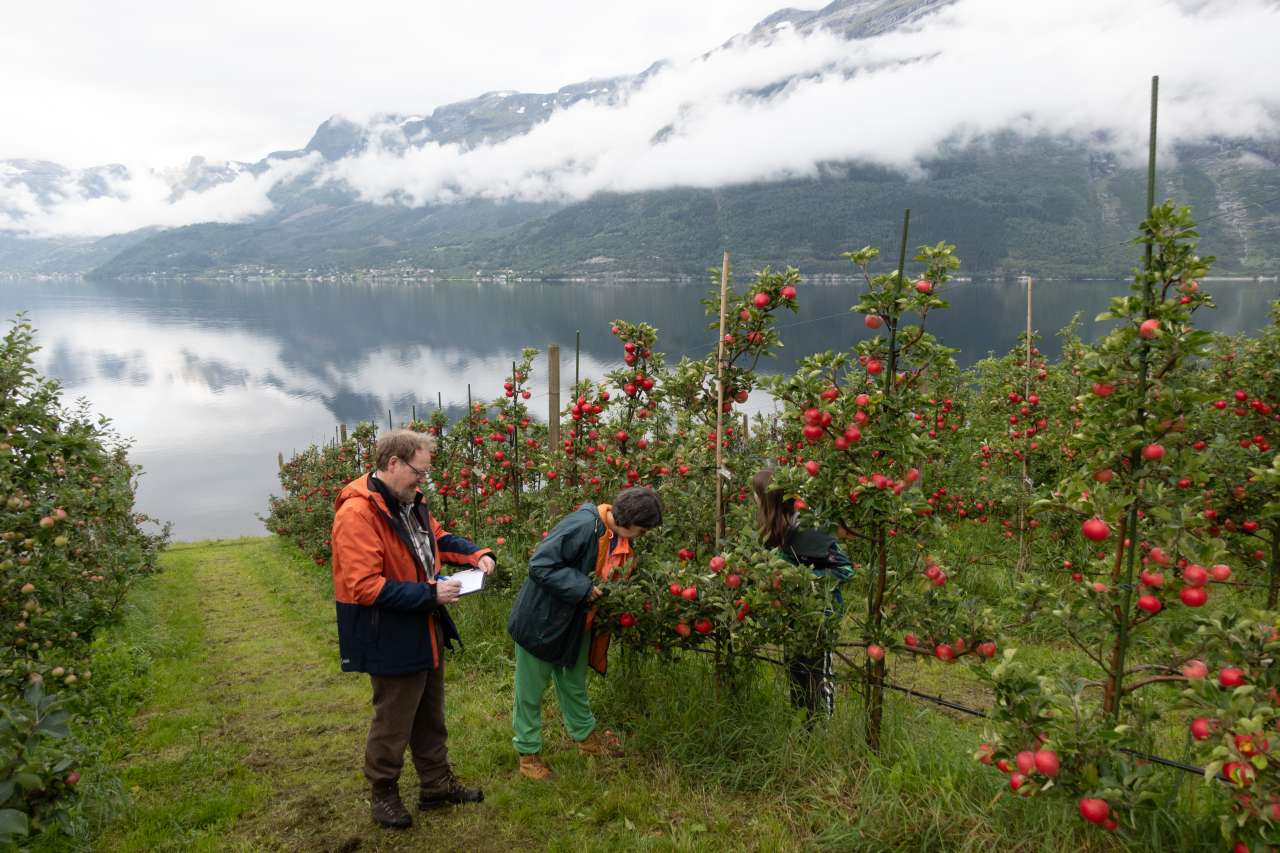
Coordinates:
213 379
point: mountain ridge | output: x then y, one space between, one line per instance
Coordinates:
1013 204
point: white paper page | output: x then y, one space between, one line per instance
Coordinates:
472 580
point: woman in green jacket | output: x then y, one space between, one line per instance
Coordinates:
812 686
551 619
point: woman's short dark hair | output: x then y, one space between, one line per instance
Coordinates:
638 507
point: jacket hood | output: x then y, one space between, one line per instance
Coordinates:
360 488
366 488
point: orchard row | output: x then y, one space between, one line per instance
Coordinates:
1123 499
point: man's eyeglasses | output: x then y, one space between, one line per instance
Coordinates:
422 475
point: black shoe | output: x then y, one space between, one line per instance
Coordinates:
449 792
388 809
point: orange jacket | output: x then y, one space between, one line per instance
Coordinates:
607 563
388 620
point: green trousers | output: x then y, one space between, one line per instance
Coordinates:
532 675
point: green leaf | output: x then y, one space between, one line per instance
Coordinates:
29 781
55 724
13 822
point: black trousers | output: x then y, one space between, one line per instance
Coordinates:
812 685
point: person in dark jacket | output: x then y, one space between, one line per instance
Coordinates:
392 624
551 620
812 686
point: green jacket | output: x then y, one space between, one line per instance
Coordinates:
549 615
818 550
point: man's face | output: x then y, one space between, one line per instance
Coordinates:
403 478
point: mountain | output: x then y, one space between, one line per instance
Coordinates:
1012 204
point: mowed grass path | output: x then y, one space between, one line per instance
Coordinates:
252 739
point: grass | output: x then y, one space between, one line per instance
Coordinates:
250 738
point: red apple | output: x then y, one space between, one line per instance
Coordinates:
1193 596
1095 530
1094 810
1195 670
1194 575
1149 603
1202 728
1231 676
1047 762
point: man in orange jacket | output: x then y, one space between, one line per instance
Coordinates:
392 624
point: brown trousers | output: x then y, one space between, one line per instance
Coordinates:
408 710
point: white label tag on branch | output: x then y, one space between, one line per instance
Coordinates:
724 472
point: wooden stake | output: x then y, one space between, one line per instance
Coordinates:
553 397
1024 547
515 438
1114 691
472 478
342 431
724 296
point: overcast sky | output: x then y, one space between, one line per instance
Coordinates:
88 82
87 86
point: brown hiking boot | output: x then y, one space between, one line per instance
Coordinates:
533 767
601 743
447 792
388 810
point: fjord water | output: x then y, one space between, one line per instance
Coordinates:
212 379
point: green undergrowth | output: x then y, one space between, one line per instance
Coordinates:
244 735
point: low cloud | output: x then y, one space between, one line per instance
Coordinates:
137 198
1069 68
752 112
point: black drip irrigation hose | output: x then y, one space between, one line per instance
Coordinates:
978 712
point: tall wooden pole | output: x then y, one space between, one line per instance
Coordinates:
1024 546
724 296
1113 692
553 397
876 669
472 468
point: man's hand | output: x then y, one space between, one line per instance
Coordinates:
486 564
447 591
595 593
